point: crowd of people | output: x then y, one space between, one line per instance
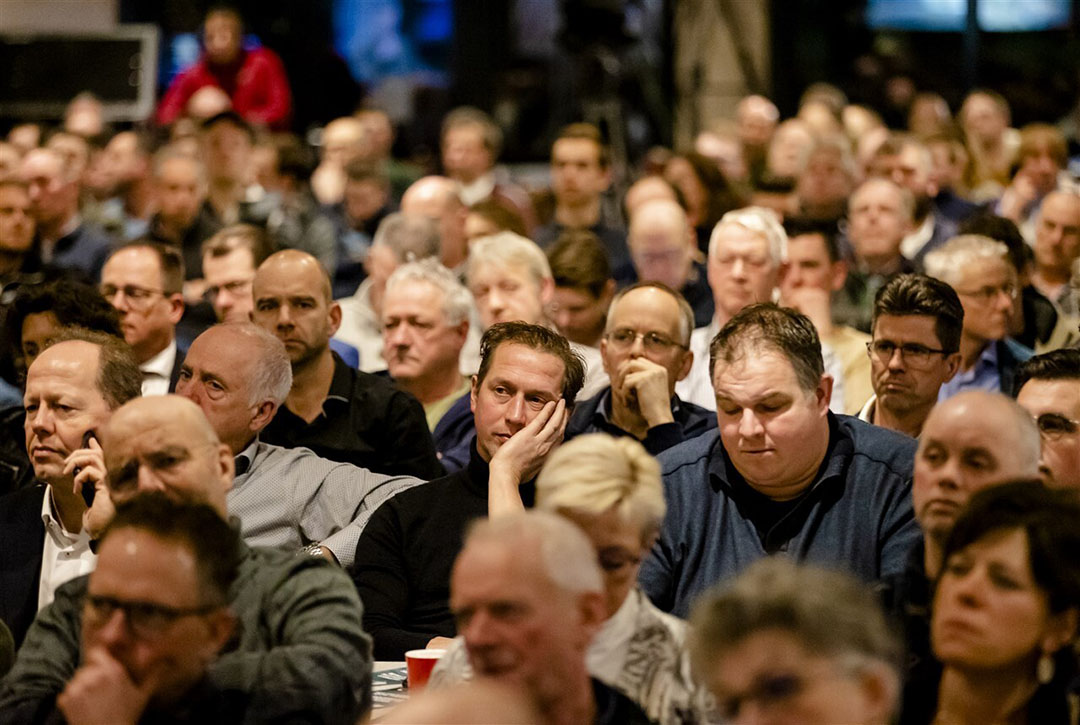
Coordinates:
788 426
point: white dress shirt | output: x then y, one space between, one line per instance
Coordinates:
65 555
157 370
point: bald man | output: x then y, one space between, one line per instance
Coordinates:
340 413
663 248
973 440
436 197
301 651
342 141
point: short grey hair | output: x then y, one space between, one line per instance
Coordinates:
566 554
457 304
759 220
410 237
506 249
596 472
948 261
271 374
686 312
827 611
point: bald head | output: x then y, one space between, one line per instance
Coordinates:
166 444
430 197
294 263
658 216
972 440
293 300
342 140
646 189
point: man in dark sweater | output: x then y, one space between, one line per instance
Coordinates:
521 397
645 352
340 413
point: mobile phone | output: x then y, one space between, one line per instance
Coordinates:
88 490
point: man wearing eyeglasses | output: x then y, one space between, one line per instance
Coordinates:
645 352
155 616
913 351
1050 390
978 268
144 281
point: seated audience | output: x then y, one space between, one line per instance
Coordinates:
181 217
1042 156
580 174
583 287
72 389
980 271
783 474
34 320
341 141
400 238
511 281
365 204
1057 247
798 643
338 412
425 319
471 143
125 215
239 375
611 489
63 239
527 595
984 118
1049 389
436 198
645 353
914 350
663 249
298 651
879 215
144 281
253 79
229 260
167 567
227 147
960 452
825 180
812 273
1006 608
521 398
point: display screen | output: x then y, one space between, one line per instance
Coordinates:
1002 16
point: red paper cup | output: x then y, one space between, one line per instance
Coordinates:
420 663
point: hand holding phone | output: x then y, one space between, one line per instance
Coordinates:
87 470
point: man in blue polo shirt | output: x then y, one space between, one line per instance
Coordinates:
783 475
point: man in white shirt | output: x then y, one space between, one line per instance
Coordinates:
144 282
71 390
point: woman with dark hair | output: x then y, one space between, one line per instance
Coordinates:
1005 611
705 190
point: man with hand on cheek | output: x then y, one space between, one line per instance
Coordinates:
520 398
645 352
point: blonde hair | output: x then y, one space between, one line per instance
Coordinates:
595 473
948 262
509 250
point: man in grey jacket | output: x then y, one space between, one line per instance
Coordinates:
299 653
783 475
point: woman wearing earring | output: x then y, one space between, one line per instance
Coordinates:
1005 611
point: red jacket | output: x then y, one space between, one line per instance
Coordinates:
257 86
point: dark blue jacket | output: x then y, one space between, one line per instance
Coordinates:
857 514
453 435
594 416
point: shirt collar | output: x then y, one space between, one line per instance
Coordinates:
161 364
477 190
342 383
52 523
245 458
603 408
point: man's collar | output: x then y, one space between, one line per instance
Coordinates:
478 189
52 521
245 458
161 364
341 384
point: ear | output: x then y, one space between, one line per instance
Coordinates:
221 624
880 687
823 394
264 413
335 318
785 269
952 365
839 275
226 466
462 331
547 291
687 364
591 609
472 393
176 308
1060 630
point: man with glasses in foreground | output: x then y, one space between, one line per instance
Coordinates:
645 352
155 615
978 268
1049 387
913 351
144 281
